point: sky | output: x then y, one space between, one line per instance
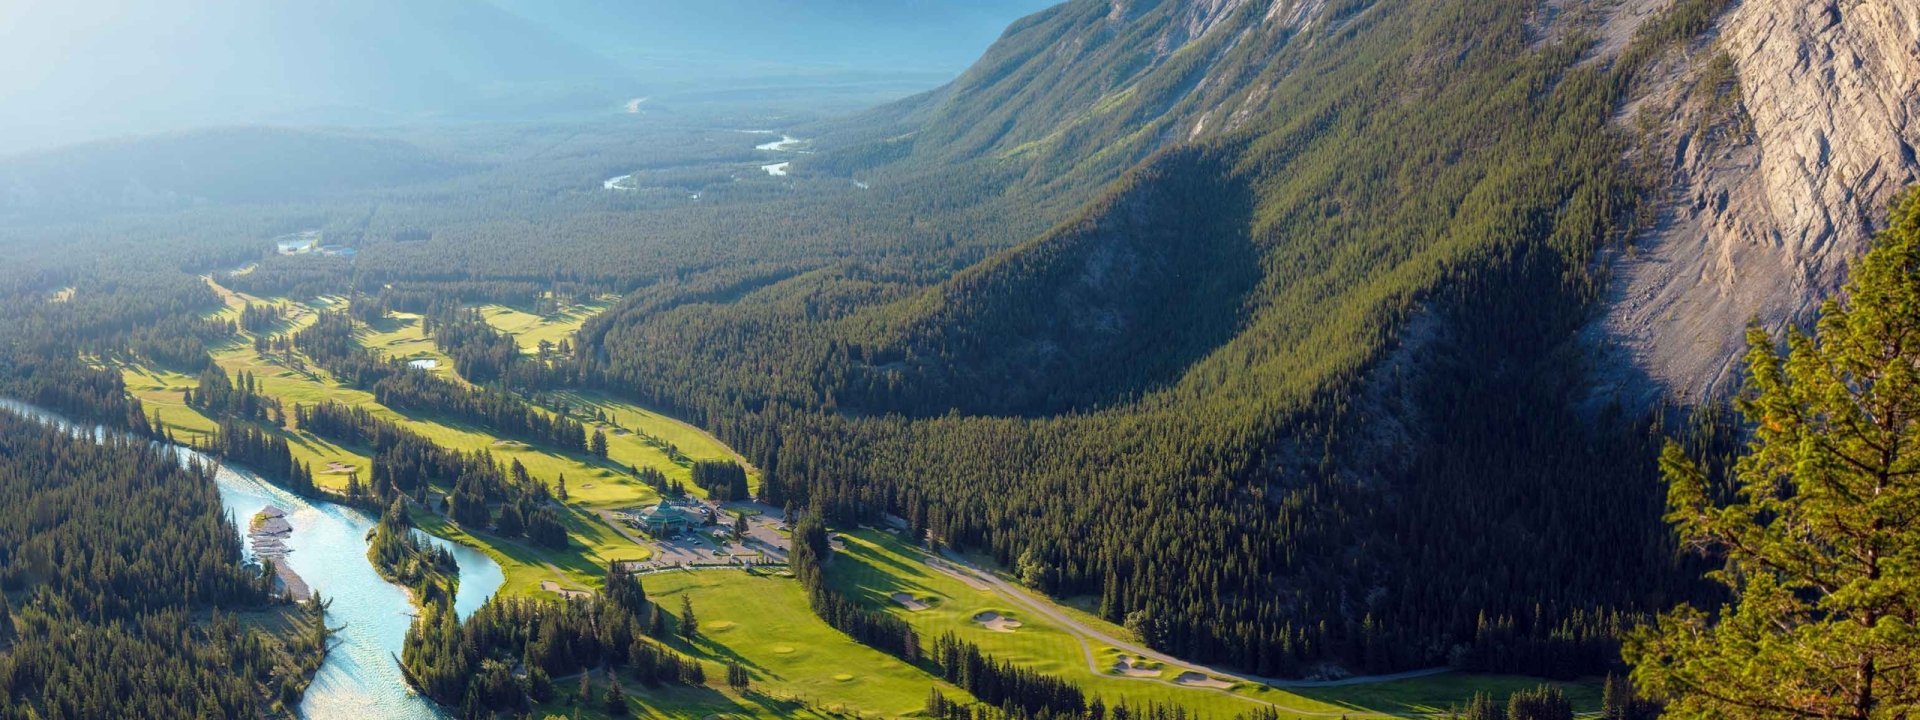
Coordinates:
80 70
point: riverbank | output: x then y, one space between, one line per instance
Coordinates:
357 676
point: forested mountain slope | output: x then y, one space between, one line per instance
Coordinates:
1279 474
1262 326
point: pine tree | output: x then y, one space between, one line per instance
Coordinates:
689 625
1482 707
656 622
1541 703
598 445
616 703
6 621
1818 532
561 491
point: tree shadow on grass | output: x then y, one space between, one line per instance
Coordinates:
707 702
872 586
706 648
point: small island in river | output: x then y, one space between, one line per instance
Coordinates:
269 532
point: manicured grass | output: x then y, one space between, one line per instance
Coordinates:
398 336
529 329
762 621
592 482
800 666
632 446
1441 693
876 564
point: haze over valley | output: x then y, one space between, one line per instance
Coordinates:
1099 359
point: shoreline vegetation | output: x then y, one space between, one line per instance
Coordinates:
403 557
216 628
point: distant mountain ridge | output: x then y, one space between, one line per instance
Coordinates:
219 165
93 68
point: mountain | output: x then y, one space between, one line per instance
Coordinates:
94 68
1778 143
1306 374
220 165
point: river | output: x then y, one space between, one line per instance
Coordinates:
329 550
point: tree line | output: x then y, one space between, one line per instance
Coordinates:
472 665
120 569
405 463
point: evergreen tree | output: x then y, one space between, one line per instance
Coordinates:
1541 703
598 445
1618 701
561 491
656 622
1816 522
689 625
616 703
6 621
1482 707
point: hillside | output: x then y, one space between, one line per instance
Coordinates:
1288 338
1426 166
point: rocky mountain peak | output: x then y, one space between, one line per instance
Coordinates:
1784 134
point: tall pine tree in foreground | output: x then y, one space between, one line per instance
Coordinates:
1819 522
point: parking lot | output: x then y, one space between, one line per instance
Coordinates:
764 542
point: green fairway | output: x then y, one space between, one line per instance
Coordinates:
762 622
398 335
799 665
877 564
529 329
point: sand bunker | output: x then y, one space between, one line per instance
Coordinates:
910 602
996 622
554 587
1194 679
1131 667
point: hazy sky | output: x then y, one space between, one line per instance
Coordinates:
83 69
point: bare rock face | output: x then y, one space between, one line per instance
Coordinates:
1785 137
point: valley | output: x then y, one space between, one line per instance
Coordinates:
755 616
1174 360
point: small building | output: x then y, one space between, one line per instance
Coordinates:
667 518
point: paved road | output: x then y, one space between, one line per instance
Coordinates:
1020 595
951 564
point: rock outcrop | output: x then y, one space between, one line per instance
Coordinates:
1784 133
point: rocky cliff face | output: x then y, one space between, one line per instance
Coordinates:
1784 134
